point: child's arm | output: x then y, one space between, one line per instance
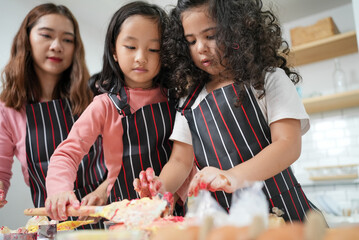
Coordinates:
64 162
277 156
172 176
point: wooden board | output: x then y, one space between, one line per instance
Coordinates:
332 102
331 47
334 177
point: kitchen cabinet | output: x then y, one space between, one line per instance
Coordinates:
331 47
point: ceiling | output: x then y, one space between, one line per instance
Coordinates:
98 13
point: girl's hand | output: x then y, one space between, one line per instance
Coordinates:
2 195
148 184
56 205
212 179
95 198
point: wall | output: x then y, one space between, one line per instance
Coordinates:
334 136
332 140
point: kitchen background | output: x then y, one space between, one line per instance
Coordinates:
333 139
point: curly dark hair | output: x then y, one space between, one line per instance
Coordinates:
111 77
250 39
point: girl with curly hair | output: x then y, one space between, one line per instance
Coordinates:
44 91
239 115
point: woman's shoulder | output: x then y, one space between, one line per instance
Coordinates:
12 118
9 111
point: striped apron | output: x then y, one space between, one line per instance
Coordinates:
145 143
224 136
48 124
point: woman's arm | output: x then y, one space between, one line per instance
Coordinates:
7 148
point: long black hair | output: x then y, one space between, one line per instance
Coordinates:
249 37
112 78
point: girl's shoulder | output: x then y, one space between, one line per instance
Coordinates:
277 74
277 79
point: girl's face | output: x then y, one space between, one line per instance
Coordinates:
52 42
199 31
138 51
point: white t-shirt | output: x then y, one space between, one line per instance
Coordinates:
280 101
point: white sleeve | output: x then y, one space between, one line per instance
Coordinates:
282 100
181 131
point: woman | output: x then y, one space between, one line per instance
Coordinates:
44 90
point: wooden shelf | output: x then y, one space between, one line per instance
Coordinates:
331 47
332 102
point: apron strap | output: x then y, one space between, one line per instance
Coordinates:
191 98
122 105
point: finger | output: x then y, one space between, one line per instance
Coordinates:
54 210
84 201
48 207
143 179
154 187
2 203
145 192
192 188
142 176
137 185
64 200
216 185
193 185
75 203
59 209
158 186
2 192
150 174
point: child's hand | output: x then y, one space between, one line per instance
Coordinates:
148 184
2 195
56 204
212 179
95 198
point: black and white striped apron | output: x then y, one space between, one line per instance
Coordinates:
224 136
145 143
47 125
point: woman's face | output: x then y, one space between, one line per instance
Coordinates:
52 41
138 51
200 30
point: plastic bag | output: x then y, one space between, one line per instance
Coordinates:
248 203
203 206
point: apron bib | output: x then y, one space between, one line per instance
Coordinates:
145 143
224 136
47 125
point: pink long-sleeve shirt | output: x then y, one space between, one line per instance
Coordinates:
12 143
100 118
